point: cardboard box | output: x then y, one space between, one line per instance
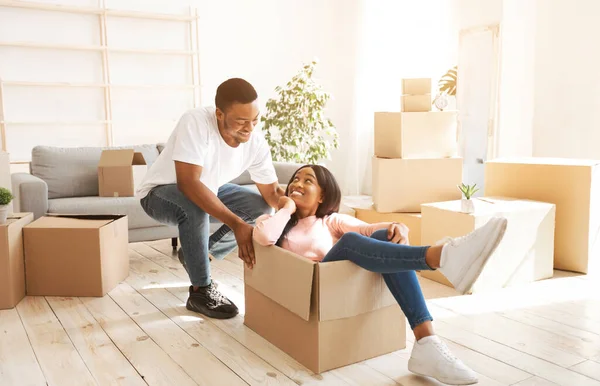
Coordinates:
573 186
76 255
12 263
411 220
120 172
526 252
416 86
324 315
431 134
416 103
402 185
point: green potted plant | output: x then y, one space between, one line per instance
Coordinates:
295 125
5 198
466 204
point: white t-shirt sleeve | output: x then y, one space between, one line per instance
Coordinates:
262 170
191 141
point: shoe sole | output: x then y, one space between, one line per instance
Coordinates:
415 368
211 314
467 282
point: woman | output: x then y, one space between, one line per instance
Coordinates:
307 224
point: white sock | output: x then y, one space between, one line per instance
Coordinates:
444 255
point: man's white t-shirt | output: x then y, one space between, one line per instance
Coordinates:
196 140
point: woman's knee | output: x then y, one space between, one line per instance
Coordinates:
380 234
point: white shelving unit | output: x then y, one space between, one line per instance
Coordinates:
105 49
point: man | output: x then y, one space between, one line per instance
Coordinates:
189 182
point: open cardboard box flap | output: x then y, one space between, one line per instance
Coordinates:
284 277
74 221
347 290
121 157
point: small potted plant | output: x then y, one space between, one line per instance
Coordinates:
466 204
5 198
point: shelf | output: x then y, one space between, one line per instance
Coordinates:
52 46
100 122
96 11
150 51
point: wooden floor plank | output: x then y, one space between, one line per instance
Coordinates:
104 360
154 365
186 351
451 328
18 364
588 368
535 381
242 361
58 358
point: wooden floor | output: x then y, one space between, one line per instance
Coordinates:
141 334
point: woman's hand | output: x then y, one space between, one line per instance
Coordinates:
398 233
288 203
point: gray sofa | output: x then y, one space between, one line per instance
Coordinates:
65 181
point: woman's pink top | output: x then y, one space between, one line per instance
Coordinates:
312 237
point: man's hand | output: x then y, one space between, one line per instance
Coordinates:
243 236
398 233
271 193
286 202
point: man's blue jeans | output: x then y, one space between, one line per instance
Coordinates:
397 264
167 205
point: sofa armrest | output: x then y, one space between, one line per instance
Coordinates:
285 171
31 194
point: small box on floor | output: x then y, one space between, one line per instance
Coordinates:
76 255
526 252
12 263
573 186
324 315
120 172
411 220
416 86
402 185
431 134
416 103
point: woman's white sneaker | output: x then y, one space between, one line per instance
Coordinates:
463 258
432 358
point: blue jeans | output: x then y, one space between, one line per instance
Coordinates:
167 205
397 264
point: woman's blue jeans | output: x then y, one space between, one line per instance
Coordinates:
397 264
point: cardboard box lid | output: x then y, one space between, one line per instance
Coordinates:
347 290
121 157
284 277
74 221
545 161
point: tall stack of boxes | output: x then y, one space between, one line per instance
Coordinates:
415 159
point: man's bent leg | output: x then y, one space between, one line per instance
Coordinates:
168 205
244 203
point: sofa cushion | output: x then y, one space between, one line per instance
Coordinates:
73 172
129 206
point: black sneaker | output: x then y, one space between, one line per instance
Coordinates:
210 302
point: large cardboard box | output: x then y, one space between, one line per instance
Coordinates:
120 172
76 255
526 252
416 103
402 185
416 86
573 186
324 315
411 220
431 134
12 263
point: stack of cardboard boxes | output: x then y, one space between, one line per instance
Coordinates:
415 159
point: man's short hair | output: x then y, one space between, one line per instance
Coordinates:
234 90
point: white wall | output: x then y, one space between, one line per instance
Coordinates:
567 79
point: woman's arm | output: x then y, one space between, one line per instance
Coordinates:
268 228
343 223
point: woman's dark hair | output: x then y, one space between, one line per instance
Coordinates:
234 90
332 196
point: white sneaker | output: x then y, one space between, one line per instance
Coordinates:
431 357
463 258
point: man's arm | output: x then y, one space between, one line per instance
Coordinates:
188 182
271 193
